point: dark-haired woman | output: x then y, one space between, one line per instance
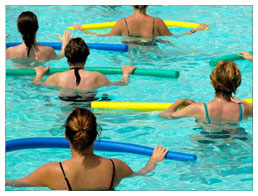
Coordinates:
85 170
140 25
225 78
27 25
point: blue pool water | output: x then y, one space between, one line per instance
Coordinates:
36 111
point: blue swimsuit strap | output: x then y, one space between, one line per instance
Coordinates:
207 114
241 112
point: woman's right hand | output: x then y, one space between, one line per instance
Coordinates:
159 153
246 55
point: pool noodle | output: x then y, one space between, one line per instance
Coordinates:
107 25
231 57
104 70
138 106
58 142
97 46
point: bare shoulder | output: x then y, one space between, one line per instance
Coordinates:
123 170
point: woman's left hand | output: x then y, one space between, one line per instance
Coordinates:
201 27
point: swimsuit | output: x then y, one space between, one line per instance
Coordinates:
134 34
111 184
139 40
208 118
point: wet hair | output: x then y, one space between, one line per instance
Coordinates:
27 24
81 128
77 51
225 78
140 7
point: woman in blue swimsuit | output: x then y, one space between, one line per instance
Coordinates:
225 78
85 170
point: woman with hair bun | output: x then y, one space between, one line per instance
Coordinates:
139 26
85 170
225 78
27 25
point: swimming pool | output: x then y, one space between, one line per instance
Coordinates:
36 111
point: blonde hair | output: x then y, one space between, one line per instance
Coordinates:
81 128
225 78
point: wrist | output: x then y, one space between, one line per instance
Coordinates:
126 75
193 31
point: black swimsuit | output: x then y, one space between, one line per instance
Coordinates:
111 184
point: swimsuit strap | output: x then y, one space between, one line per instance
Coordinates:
241 112
77 75
153 26
206 112
126 26
67 182
34 52
114 172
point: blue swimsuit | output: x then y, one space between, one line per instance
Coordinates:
207 114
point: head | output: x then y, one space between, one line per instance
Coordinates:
76 52
225 78
27 24
81 129
140 7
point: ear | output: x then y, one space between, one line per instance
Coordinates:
66 137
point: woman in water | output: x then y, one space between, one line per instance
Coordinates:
225 78
76 78
27 24
140 25
85 170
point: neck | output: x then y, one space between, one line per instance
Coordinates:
77 66
220 98
139 12
87 151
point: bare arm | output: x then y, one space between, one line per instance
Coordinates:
126 70
50 81
65 40
158 155
125 171
116 30
40 72
163 29
102 80
39 177
190 111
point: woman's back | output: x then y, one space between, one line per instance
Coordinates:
142 25
83 173
37 52
222 109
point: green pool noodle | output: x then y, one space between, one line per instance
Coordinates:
231 57
104 70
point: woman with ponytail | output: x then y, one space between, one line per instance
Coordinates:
27 25
225 78
85 170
